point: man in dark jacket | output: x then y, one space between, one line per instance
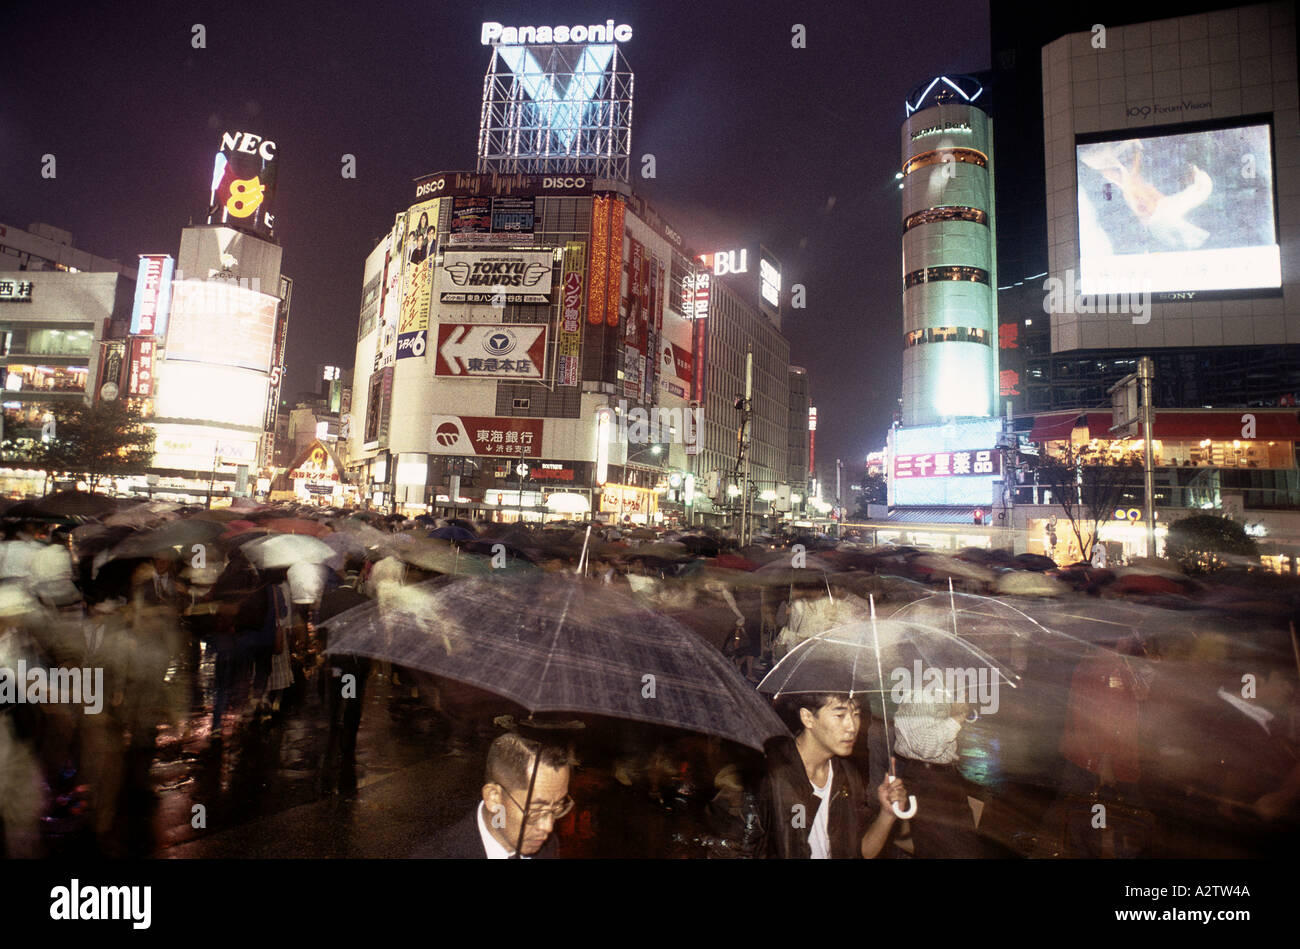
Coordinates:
812 800
492 831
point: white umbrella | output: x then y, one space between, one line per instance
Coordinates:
285 550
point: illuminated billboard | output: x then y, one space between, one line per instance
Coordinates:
955 464
222 324
1178 212
152 295
479 276
243 182
222 394
491 350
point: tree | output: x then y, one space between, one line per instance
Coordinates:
106 439
874 491
1086 493
1204 543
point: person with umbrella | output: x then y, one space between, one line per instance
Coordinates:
812 799
517 770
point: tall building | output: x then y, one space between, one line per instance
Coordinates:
944 461
743 317
485 346
797 433
531 337
1169 169
60 307
1180 74
215 358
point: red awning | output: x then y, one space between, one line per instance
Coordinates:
1053 427
1270 424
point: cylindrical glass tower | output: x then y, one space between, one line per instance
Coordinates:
950 318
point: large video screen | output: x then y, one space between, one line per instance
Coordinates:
1184 212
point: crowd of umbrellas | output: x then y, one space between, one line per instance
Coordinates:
674 629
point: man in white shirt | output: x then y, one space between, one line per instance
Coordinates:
813 802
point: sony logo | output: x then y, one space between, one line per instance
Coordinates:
248 143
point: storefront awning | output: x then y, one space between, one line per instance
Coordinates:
940 515
1270 424
1054 427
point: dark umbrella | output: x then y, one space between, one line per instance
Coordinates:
172 538
452 533
554 643
76 502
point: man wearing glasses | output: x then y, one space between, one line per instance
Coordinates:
492 832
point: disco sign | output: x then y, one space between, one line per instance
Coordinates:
243 182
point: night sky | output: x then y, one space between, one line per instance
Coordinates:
754 141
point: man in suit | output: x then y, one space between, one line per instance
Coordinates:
492 831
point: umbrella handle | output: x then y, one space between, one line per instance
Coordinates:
911 804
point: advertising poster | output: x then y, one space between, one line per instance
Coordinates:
471 220
417 289
222 324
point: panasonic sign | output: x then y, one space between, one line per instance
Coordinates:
494 34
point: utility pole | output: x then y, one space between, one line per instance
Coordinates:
1146 374
745 443
839 505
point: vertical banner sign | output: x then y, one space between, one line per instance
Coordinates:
140 383
633 386
277 372
599 260
655 326
570 342
152 295
643 326
614 281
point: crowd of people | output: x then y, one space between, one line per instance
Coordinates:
203 636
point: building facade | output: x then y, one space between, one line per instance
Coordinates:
60 308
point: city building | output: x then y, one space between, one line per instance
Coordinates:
944 455
798 434
207 361
743 319
482 352
535 342
60 307
1171 174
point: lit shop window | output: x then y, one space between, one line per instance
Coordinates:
933 274
45 378
936 215
947 334
967 156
